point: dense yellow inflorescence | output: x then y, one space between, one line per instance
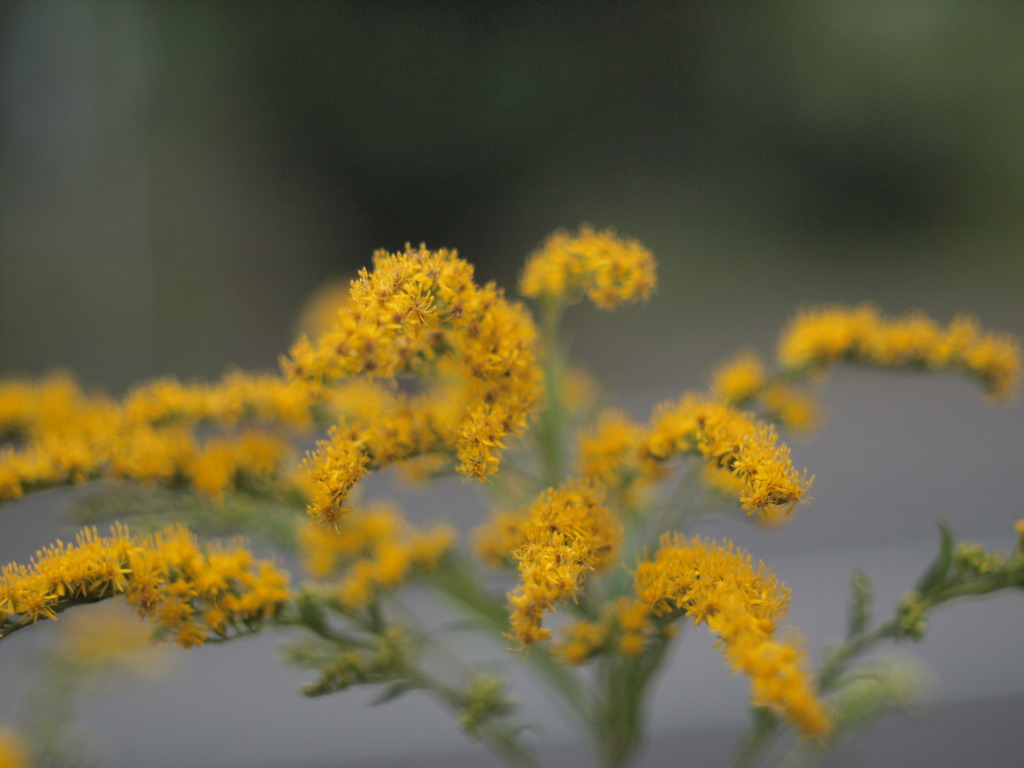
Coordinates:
566 533
817 337
620 455
419 315
744 381
57 434
718 586
191 592
609 452
735 441
740 379
372 551
607 269
416 365
623 628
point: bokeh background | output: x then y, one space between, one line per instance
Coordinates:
176 178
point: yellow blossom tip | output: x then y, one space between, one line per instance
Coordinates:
607 269
818 337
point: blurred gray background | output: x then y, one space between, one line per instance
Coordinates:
175 179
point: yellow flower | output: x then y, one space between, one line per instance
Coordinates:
167 576
622 628
337 465
818 337
608 453
739 379
608 269
735 441
792 407
718 586
374 550
151 435
418 316
568 532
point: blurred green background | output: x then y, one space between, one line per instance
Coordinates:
175 178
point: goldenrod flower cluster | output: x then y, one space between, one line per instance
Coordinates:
744 381
564 535
192 592
419 314
735 441
237 398
740 379
718 586
620 452
609 452
494 541
59 434
818 337
623 628
374 551
607 269
417 366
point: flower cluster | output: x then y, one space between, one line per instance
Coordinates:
57 434
735 441
818 337
623 627
565 534
373 551
620 453
418 367
744 381
608 269
191 592
609 452
418 314
718 586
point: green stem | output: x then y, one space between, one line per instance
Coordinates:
59 607
463 587
627 686
501 740
841 659
763 731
